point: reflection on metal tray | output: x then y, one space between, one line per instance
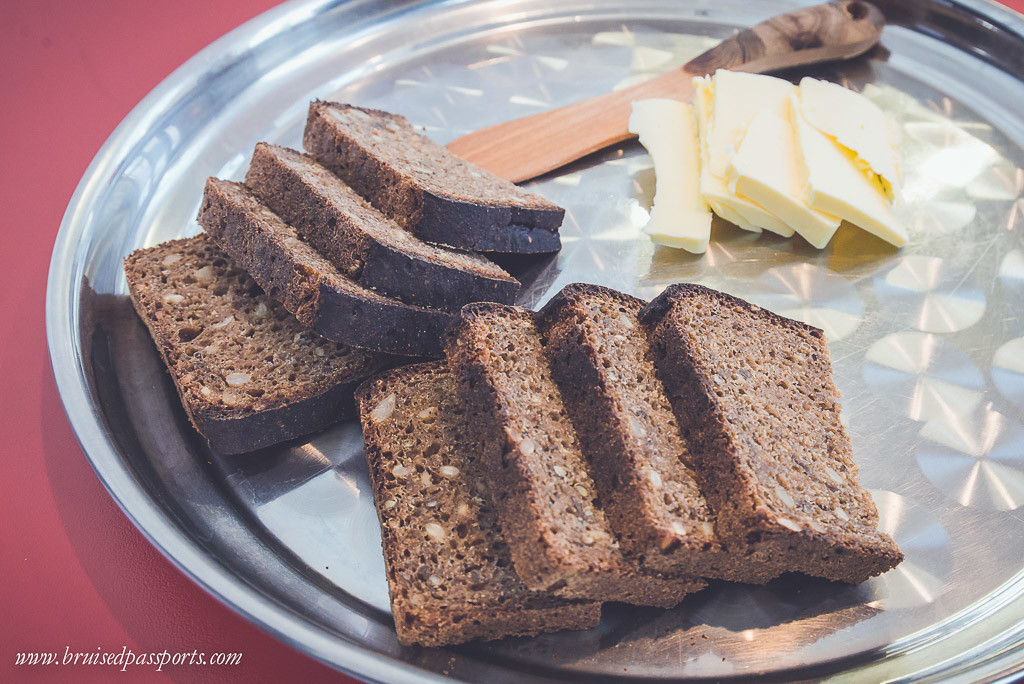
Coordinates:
928 342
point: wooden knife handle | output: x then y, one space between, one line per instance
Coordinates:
836 30
525 148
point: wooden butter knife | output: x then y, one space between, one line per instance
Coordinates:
525 148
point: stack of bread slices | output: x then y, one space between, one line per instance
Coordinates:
609 449
324 267
603 449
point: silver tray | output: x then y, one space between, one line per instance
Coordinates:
927 341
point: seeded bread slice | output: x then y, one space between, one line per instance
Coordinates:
431 192
308 285
601 361
448 566
558 536
754 394
249 375
365 245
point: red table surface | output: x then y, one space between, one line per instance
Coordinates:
75 573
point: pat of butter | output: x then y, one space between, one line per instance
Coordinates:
856 123
759 216
726 103
738 98
714 190
680 217
837 186
767 168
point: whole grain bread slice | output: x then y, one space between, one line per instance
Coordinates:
308 285
428 190
644 472
546 499
249 375
754 394
449 572
365 245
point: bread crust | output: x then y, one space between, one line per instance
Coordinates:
447 217
308 285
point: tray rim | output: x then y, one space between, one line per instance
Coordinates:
1001 662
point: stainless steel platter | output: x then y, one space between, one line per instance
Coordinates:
928 341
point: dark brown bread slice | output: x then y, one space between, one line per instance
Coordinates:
365 245
546 500
308 285
754 394
449 572
249 375
601 360
425 188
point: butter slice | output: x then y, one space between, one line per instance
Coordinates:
680 217
768 169
759 216
719 141
738 98
837 186
856 123
715 190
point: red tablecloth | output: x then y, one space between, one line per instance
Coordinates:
75 573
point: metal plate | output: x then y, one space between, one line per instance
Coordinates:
927 341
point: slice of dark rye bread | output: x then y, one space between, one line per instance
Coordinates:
365 245
754 394
448 566
308 285
557 533
424 187
249 375
601 361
